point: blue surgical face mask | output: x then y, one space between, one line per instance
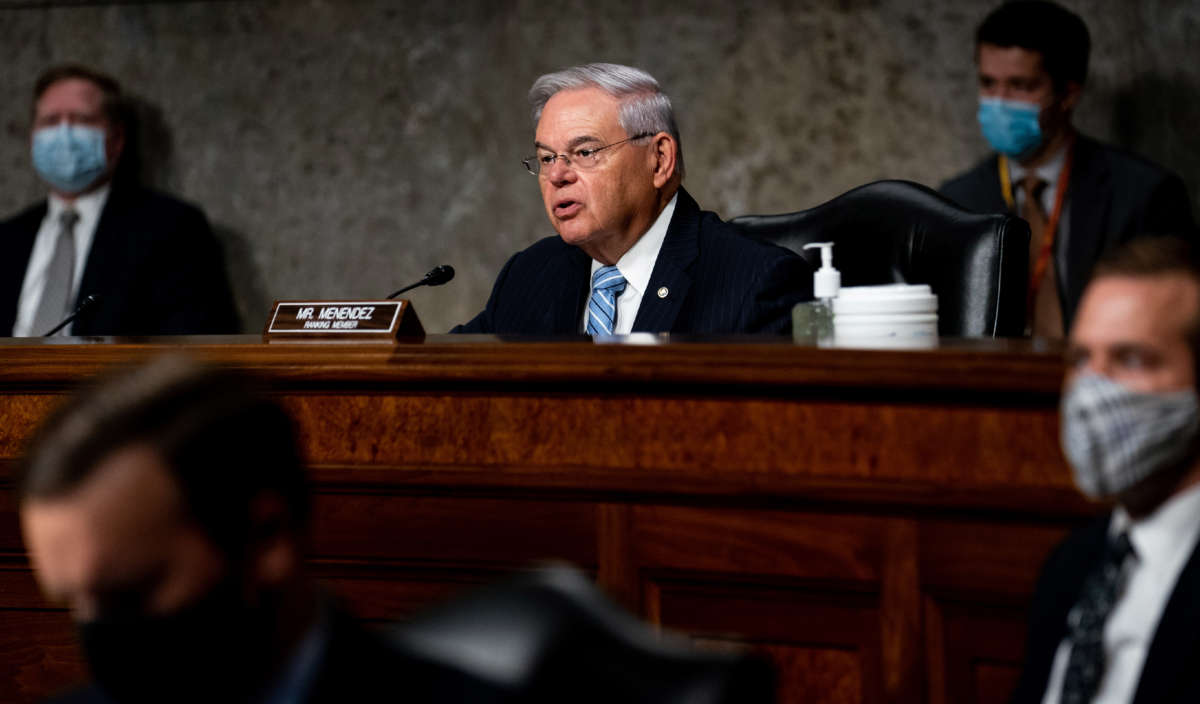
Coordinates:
1010 126
69 157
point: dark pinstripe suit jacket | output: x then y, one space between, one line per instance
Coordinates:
719 282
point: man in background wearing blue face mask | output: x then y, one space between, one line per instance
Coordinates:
150 261
1079 196
1116 613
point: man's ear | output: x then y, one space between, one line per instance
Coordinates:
274 543
664 151
114 143
1071 94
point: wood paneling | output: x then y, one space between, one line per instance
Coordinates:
38 655
495 531
871 520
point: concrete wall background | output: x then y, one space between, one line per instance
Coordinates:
344 147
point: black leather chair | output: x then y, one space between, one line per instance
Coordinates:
903 232
551 636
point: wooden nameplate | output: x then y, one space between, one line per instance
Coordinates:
343 321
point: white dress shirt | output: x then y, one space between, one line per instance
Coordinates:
636 266
88 207
1162 543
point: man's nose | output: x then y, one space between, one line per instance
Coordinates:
1100 365
560 172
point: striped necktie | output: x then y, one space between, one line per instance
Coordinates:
607 285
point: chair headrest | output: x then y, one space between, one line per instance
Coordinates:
551 635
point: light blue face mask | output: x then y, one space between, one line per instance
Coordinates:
1010 126
69 157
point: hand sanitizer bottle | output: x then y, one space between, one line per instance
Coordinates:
812 322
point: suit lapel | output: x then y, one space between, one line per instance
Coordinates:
679 249
570 274
16 244
107 242
1090 194
995 192
1175 650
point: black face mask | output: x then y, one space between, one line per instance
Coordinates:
214 650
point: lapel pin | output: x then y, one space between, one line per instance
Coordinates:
662 292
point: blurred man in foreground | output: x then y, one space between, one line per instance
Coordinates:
1117 609
168 510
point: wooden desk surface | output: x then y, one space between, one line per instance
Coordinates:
1017 366
872 519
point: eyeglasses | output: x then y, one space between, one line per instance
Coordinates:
583 158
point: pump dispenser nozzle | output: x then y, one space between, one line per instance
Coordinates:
827 281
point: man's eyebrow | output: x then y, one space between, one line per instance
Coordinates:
583 139
1141 348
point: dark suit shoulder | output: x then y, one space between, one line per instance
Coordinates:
754 281
977 188
149 205
721 238
1127 168
30 214
1146 198
157 268
1058 586
533 293
545 249
1081 546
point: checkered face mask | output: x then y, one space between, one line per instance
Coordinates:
1115 438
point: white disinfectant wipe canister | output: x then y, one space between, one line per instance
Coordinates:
896 311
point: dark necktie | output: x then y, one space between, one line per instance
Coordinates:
60 278
1085 623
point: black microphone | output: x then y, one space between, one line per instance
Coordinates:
82 308
437 276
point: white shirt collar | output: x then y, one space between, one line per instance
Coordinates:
637 264
1048 171
87 206
1161 535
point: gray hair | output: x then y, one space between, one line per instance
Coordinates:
644 107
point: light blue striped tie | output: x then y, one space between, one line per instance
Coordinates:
607 284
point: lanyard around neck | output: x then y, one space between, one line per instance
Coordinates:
1060 195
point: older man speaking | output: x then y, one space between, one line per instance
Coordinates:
634 253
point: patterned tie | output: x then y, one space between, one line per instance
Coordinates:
1085 666
607 284
60 278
